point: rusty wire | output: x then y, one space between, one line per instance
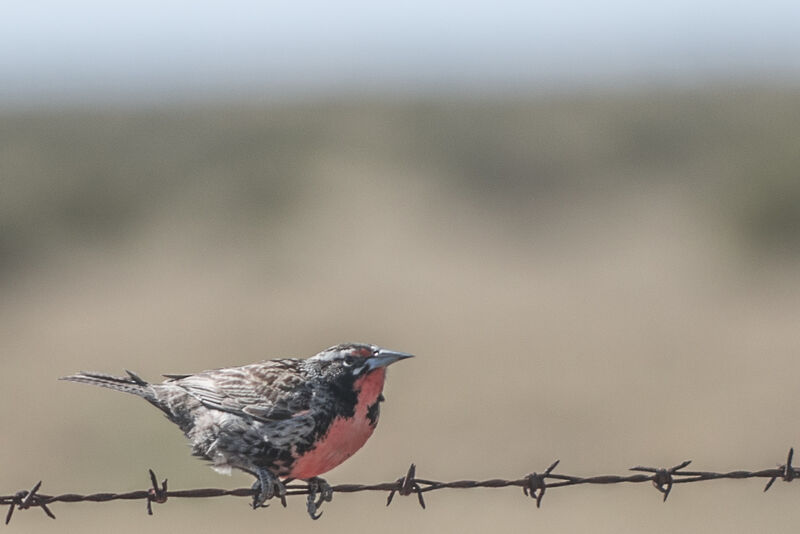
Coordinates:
533 485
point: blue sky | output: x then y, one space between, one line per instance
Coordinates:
159 51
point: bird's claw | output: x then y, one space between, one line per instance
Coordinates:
266 487
317 487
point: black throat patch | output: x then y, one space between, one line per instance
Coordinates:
373 411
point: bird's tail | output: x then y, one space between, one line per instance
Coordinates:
132 384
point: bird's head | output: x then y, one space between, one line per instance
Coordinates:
357 359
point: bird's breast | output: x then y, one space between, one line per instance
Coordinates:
345 435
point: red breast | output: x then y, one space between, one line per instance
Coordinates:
345 435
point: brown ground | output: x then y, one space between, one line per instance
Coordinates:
603 322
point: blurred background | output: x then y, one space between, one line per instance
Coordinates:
583 218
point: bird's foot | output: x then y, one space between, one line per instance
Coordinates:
319 491
266 487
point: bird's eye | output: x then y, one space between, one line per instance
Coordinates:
349 361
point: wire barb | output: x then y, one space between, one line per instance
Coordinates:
787 471
406 486
663 478
534 485
156 494
22 500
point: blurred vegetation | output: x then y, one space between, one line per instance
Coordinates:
97 176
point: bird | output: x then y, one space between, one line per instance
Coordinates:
279 420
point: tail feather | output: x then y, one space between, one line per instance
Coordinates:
134 384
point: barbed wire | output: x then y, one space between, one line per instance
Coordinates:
533 485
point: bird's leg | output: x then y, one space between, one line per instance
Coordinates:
267 486
317 486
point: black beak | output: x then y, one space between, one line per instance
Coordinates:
386 357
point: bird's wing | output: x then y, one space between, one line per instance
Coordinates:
270 391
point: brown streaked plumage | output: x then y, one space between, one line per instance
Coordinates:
289 418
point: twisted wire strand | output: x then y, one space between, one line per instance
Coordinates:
533 485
